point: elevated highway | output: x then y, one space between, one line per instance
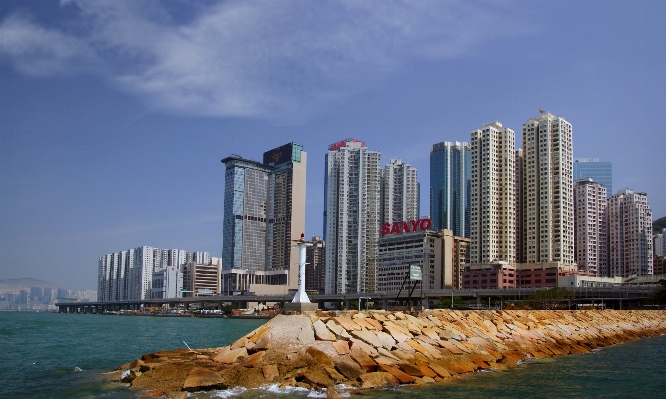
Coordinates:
612 297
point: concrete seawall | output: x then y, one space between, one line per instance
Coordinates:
374 349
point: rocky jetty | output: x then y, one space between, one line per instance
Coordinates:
375 349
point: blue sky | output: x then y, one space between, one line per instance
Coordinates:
114 115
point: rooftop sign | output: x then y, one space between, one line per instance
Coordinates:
342 143
406 226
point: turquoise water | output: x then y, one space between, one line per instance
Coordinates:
41 350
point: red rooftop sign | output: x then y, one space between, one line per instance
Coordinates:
406 227
342 143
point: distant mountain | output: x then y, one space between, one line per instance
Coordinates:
18 284
658 224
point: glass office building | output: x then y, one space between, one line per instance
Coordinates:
599 172
450 174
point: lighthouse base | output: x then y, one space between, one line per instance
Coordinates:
300 307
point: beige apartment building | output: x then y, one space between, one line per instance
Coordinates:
630 234
548 217
591 235
493 195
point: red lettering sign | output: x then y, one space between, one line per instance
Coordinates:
406 226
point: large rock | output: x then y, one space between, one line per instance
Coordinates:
201 379
253 359
403 377
306 335
270 372
347 324
231 356
352 373
259 333
378 379
368 336
363 359
319 356
321 332
342 347
338 330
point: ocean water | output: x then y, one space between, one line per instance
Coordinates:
45 355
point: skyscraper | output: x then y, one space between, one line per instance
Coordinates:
315 265
450 174
548 219
591 230
520 206
128 275
493 195
630 234
400 192
264 209
591 168
352 217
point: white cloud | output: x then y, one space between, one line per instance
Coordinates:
269 59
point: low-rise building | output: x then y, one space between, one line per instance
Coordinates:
398 251
440 254
499 275
202 279
494 275
659 265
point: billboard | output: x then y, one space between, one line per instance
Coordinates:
415 273
278 155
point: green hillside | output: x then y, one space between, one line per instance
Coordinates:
659 224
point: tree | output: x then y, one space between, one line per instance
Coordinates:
446 303
554 298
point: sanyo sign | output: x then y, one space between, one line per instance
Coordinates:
406 226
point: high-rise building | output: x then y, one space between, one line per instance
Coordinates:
548 216
352 217
450 174
591 168
630 234
264 209
47 299
493 195
400 192
36 294
520 207
128 275
591 230
315 265
658 244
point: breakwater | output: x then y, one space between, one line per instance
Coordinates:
366 350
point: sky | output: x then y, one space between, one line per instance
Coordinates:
115 115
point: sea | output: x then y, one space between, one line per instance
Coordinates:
54 355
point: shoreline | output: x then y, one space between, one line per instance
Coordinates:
322 350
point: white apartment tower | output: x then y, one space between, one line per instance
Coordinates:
493 195
548 217
630 234
591 230
352 217
400 193
128 275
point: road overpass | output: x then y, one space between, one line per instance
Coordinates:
612 297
